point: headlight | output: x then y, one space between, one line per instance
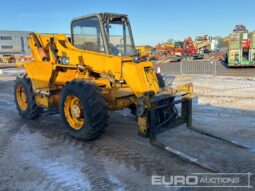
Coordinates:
64 60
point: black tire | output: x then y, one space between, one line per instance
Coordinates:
161 81
95 110
32 111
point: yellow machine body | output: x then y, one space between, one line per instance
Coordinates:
144 49
50 75
124 80
146 52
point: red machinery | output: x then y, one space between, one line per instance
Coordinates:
246 44
184 48
178 49
188 47
165 48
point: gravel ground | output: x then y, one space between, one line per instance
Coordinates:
40 155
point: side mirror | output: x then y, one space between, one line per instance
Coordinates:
136 57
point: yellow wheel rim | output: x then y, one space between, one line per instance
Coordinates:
74 112
21 97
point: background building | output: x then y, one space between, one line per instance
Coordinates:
14 43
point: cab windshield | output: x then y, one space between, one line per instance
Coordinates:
119 38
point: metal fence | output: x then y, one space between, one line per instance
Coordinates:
198 67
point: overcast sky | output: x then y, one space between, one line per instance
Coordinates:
152 21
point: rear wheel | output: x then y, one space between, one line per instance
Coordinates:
83 109
25 99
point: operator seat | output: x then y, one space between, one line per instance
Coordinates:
90 46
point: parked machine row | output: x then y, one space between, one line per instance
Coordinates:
177 50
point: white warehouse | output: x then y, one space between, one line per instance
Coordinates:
14 43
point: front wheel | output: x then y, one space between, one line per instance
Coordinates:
83 109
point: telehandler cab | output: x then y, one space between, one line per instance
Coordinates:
96 70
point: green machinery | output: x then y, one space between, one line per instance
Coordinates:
241 50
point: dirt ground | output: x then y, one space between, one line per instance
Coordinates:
40 155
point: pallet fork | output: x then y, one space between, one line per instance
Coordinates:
172 122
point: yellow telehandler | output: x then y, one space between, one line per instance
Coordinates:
95 70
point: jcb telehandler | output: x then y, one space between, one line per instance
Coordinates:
96 70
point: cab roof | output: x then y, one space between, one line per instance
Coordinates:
104 16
